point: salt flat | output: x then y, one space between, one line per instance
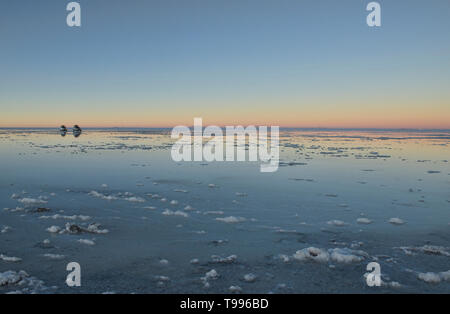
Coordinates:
136 221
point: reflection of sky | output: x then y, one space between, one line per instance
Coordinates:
120 159
160 63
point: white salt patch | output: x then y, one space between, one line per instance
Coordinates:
396 221
231 219
74 217
337 223
31 201
134 199
17 209
235 289
430 277
394 284
224 260
212 185
286 231
241 194
356 244
169 212
213 212
364 221
46 241
180 191
345 256
194 261
164 262
312 254
212 274
150 207
72 228
284 258
188 208
54 256
160 283
162 278
218 242
94 228
435 277
426 249
54 229
86 241
250 277
104 185
5 229
174 202
205 283
102 196
11 259
445 275
11 277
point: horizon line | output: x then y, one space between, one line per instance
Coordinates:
281 127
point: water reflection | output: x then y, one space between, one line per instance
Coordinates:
63 130
337 190
76 130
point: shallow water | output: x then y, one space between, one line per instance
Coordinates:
126 181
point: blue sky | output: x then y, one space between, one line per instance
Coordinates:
157 62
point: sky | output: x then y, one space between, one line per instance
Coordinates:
292 63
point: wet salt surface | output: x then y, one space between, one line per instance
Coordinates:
138 222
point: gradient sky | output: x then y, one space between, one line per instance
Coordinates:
273 62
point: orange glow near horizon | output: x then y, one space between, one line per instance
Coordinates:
337 117
286 123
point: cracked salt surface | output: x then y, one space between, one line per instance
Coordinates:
435 278
20 282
